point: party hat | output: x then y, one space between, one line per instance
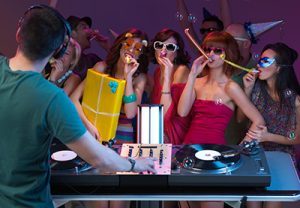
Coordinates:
256 29
113 33
206 13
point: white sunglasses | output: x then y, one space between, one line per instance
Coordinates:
172 47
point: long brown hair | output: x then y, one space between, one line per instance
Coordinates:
163 35
286 79
114 52
226 41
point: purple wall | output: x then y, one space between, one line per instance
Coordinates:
154 15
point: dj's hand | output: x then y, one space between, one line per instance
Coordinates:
144 164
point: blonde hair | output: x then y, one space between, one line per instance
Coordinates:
77 52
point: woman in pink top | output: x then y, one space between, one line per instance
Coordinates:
170 76
212 98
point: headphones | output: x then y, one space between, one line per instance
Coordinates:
59 52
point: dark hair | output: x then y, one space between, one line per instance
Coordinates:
114 52
286 79
182 57
42 31
215 19
74 21
225 40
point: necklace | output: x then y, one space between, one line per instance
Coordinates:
65 76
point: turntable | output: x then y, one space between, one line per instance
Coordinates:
188 166
63 159
220 165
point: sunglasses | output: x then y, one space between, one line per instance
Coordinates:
208 30
217 51
265 62
172 47
129 43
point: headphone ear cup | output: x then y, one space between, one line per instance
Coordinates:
61 51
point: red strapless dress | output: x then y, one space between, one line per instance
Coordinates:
209 123
175 127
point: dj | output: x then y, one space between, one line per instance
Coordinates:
33 111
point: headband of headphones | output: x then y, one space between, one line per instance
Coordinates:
61 49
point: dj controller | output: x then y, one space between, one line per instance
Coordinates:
196 165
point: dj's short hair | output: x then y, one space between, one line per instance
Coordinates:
42 32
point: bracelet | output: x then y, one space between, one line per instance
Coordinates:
292 136
162 92
129 99
132 162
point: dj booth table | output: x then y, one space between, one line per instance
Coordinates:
285 186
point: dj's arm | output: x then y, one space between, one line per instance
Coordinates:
105 159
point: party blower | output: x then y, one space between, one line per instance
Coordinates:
186 31
253 70
222 56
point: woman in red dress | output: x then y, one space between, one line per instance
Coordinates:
169 80
211 99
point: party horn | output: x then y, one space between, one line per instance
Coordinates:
186 31
222 56
128 59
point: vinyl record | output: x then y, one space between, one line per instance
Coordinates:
76 164
63 156
205 157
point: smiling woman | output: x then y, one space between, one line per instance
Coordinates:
126 60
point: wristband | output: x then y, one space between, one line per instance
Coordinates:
162 92
132 162
129 99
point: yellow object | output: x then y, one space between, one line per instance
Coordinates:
222 56
186 31
102 100
128 59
